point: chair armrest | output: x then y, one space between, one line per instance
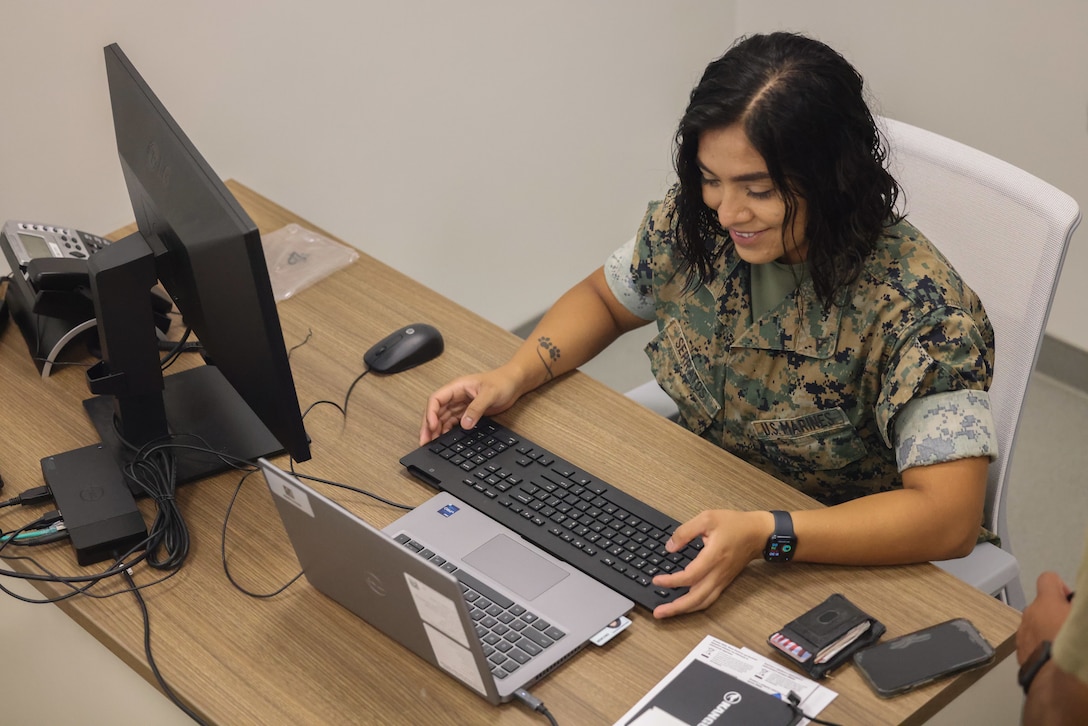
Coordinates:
650 395
988 567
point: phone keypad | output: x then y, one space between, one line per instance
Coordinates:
75 243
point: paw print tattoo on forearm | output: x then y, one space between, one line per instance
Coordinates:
549 354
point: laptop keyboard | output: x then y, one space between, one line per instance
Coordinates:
592 525
511 634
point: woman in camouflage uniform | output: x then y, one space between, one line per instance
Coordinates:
804 326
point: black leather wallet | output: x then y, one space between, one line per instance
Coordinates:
826 636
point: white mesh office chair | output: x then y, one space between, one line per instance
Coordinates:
1006 233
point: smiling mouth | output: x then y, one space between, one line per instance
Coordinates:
742 235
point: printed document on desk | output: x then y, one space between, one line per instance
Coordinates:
721 684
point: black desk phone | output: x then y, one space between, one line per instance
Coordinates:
32 240
47 294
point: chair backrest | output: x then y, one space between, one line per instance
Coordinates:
1006 233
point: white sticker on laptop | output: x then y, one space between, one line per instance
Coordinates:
288 492
455 659
445 633
436 609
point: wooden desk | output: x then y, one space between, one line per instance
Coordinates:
299 658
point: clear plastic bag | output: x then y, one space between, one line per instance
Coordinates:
299 257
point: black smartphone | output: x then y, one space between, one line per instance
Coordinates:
901 664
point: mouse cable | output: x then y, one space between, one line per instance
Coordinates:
326 402
343 409
151 658
535 704
347 396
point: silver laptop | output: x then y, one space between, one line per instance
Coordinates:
451 584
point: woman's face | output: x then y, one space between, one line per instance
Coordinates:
738 188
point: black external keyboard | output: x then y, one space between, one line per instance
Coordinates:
596 527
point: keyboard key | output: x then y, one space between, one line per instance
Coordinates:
529 646
538 637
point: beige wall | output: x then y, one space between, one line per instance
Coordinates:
1005 76
495 150
498 150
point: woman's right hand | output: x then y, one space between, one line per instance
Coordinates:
581 323
464 400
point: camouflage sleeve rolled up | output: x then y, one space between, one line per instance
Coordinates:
619 272
945 427
945 350
628 271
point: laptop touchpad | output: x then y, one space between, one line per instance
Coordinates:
525 572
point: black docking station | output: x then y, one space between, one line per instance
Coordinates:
97 507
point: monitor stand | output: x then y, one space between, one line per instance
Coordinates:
199 402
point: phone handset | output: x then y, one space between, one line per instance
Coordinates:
53 260
48 293
51 299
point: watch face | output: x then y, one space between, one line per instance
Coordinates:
779 549
783 542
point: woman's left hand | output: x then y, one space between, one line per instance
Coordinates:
730 541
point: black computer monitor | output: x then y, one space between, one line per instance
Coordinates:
200 244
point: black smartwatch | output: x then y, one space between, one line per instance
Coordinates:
782 544
1033 665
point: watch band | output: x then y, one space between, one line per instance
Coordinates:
1033 665
783 523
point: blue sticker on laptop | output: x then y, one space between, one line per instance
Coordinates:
449 510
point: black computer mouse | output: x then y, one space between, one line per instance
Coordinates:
405 348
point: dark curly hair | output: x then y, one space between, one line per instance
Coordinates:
803 109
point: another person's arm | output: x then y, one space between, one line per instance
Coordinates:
1043 618
1058 693
579 326
1056 698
